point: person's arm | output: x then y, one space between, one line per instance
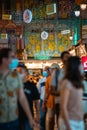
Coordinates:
46 96
47 92
37 107
25 106
39 86
65 92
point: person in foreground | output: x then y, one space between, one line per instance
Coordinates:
11 90
71 115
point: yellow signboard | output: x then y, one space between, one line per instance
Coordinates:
6 17
4 36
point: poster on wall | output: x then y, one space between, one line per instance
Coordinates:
3 40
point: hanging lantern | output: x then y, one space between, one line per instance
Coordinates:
83 6
77 13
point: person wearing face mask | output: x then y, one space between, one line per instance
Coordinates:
13 64
41 89
49 100
31 93
11 90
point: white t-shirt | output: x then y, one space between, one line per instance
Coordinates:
53 82
41 87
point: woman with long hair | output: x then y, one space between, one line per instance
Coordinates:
71 96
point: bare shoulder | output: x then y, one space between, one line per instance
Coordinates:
66 84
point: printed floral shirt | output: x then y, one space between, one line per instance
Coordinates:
9 88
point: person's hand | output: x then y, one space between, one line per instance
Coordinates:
69 129
37 120
33 124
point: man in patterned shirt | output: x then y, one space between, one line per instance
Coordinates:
11 89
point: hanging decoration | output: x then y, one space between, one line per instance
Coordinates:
51 9
43 54
44 35
27 16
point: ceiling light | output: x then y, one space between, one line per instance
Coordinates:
83 6
77 13
71 38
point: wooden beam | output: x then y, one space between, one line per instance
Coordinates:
78 2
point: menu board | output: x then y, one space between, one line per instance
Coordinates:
3 40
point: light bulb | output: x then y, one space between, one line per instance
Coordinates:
21 36
77 13
83 6
71 38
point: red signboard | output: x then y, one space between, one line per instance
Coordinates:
84 62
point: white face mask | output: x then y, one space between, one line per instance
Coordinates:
81 70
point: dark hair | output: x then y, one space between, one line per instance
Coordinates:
4 53
47 68
64 53
23 67
72 72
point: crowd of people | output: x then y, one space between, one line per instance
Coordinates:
56 98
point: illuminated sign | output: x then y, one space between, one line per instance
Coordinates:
4 36
6 17
65 32
84 62
51 9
